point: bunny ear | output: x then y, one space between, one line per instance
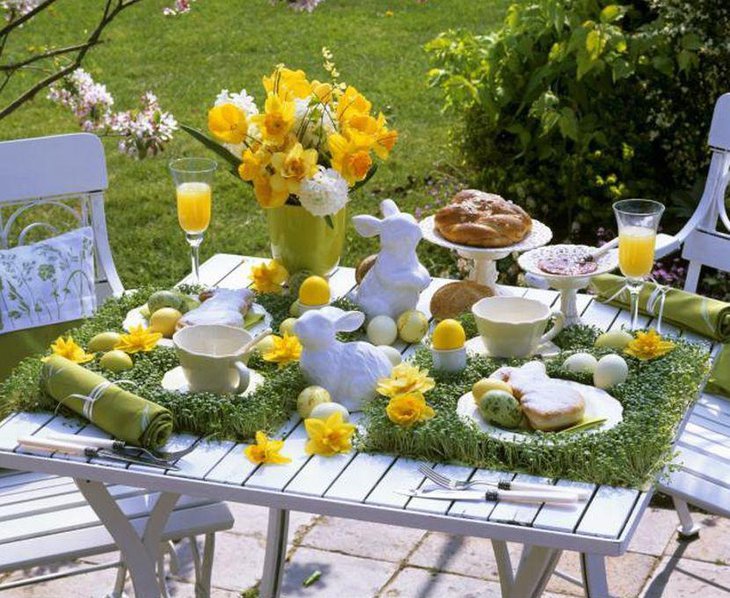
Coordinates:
389 208
366 226
349 321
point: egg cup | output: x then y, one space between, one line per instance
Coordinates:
298 308
449 360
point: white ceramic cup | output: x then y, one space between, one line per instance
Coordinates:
514 326
210 358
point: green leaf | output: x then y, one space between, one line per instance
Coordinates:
691 41
368 176
611 13
686 60
568 123
594 44
212 145
664 65
329 221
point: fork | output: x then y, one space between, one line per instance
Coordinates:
452 484
122 447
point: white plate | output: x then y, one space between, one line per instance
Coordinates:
539 236
175 381
475 346
598 404
135 318
529 261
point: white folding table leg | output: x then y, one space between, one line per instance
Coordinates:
536 566
275 556
687 529
203 564
504 566
593 569
139 555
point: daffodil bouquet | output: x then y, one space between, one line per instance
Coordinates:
312 143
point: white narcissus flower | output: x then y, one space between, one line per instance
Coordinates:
246 103
325 193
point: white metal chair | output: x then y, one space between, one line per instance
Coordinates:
44 519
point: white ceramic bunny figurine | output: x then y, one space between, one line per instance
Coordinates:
395 282
349 371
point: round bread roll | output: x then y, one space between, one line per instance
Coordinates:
456 298
481 219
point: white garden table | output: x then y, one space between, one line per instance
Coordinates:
356 486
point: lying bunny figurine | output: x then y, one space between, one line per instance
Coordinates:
349 371
395 282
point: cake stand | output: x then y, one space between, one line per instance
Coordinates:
484 267
568 285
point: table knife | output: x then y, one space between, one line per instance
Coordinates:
505 495
80 450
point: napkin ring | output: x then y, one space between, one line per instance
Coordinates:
95 394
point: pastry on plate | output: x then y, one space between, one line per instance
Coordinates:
456 298
521 379
481 219
224 306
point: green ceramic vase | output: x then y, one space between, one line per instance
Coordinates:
302 241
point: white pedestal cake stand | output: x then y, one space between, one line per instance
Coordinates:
484 267
568 285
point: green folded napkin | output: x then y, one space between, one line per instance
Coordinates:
122 414
703 315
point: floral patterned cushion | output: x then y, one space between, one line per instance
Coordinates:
47 282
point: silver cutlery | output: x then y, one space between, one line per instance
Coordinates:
161 457
592 256
460 485
503 495
81 450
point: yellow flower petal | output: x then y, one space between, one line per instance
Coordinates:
266 450
648 345
405 378
286 349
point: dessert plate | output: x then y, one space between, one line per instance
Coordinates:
475 346
530 260
136 318
174 380
598 402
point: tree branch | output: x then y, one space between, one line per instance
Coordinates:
15 23
13 66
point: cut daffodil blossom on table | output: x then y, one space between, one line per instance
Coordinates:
648 345
138 340
269 277
409 409
284 350
328 437
266 450
405 378
67 347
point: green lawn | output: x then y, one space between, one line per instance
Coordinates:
231 44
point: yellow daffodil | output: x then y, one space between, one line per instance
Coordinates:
268 277
375 133
292 167
228 123
288 84
328 437
352 103
265 450
648 345
266 195
286 349
409 409
139 339
277 119
67 347
322 91
253 164
405 378
351 155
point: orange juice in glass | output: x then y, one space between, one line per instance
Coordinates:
193 179
638 221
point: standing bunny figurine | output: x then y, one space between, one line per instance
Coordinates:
395 282
349 371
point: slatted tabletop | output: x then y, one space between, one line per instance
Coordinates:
359 485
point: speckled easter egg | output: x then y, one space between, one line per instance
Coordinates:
501 408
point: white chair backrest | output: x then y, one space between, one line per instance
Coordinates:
49 184
704 243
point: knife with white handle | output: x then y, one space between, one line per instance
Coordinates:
102 443
509 485
522 496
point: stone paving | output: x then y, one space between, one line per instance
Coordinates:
361 560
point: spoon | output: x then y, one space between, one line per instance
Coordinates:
603 249
253 342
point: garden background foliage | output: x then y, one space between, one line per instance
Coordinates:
573 104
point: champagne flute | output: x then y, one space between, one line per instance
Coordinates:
193 178
638 221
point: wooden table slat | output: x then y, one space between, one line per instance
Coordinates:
563 518
360 477
608 512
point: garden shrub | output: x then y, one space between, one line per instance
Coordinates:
573 104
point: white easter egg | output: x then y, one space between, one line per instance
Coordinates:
392 354
382 330
287 327
310 397
324 410
610 371
581 363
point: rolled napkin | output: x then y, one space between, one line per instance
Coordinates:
118 412
703 315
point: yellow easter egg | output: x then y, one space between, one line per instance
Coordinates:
164 321
447 335
485 385
315 290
